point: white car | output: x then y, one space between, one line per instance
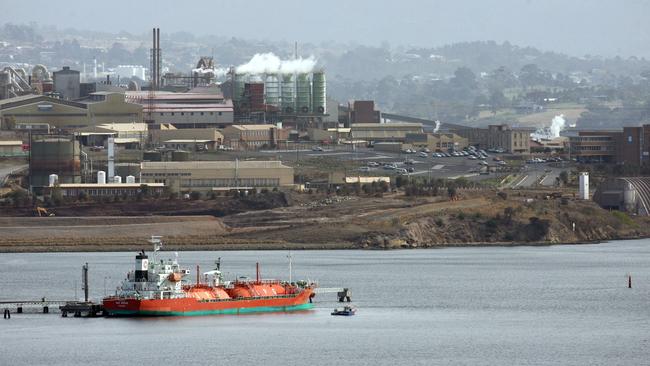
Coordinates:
423 155
402 171
316 148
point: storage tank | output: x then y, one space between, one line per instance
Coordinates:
152 156
180 155
319 93
117 179
584 186
130 179
272 90
287 94
124 169
53 179
238 86
54 154
629 197
303 94
101 177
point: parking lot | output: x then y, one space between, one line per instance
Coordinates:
434 167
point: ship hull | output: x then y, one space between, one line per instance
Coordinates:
193 307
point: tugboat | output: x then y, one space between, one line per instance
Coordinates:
346 311
161 288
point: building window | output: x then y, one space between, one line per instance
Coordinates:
201 113
212 113
219 113
162 114
172 113
182 113
191 113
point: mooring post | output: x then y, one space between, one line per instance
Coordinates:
629 281
46 309
7 314
84 278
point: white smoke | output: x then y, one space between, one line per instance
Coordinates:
437 126
269 63
557 125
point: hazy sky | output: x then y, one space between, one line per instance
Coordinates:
576 27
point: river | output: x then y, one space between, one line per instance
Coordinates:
566 305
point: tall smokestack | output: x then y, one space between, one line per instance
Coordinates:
153 61
158 57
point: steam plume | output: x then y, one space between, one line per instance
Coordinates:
437 126
557 125
269 63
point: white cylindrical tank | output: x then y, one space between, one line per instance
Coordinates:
101 177
584 186
629 197
54 179
117 179
130 179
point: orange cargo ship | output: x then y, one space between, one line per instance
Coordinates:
161 288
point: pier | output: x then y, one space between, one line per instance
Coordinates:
342 294
78 308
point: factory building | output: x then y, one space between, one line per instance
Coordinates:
625 194
363 111
374 132
248 137
184 110
631 145
67 83
99 108
205 176
515 140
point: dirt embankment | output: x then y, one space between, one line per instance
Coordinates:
304 221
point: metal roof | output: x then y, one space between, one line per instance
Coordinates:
109 185
11 143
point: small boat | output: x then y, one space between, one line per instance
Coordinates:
346 311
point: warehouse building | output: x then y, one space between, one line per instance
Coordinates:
99 108
106 190
167 133
205 176
373 132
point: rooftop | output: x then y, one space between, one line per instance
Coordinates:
11 143
386 125
253 127
109 185
210 165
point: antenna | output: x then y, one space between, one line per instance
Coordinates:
290 269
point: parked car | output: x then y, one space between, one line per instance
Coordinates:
422 154
401 171
364 169
409 162
372 164
390 166
316 148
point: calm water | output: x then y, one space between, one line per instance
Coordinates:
476 306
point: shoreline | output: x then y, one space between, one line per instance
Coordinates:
126 248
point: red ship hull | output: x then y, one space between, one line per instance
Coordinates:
191 306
